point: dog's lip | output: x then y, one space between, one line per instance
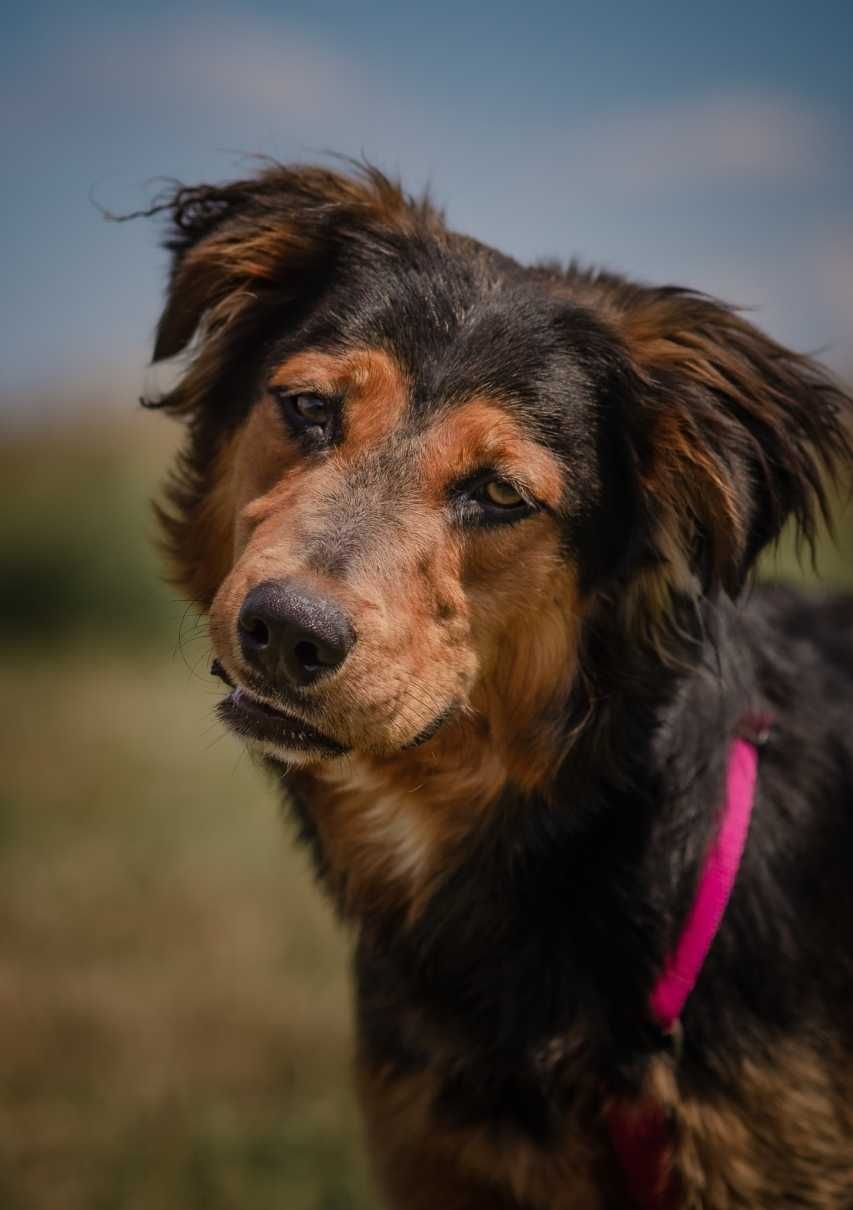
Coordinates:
253 718
217 669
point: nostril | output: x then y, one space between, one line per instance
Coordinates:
255 629
308 656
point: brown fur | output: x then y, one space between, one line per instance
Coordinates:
785 1136
215 279
461 604
418 1159
665 441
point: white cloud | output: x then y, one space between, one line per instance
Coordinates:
734 136
204 69
210 71
213 63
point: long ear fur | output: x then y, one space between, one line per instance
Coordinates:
229 242
735 434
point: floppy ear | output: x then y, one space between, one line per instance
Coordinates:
237 246
734 434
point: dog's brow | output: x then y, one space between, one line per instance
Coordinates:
483 433
370 380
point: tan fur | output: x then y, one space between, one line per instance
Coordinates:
200 544
482 432
474 624
375 390
783 1140
784 1135
417 1158
389 823
690 345
216 278
480 630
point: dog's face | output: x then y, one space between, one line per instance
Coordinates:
404 511
385 555
419 473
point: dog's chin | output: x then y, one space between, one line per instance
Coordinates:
275 733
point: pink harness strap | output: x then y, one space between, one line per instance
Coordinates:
681 971
639 1130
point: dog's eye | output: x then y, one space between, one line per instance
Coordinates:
313 409
307 413
490 500
501 494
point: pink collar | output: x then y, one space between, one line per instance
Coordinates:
639 1131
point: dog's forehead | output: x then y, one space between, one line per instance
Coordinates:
383 418
461 321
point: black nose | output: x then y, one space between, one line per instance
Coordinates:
289 631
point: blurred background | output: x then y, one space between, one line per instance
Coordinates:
173 1006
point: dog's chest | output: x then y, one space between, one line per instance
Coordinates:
505 1123
381 840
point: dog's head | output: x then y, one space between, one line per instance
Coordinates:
416 471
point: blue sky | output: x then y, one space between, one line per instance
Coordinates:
708 145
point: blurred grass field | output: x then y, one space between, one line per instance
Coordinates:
174 1021
174 1026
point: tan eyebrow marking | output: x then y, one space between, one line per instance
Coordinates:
482 433
371 382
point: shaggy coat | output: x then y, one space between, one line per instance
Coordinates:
525 503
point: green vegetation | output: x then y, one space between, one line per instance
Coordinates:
174 1025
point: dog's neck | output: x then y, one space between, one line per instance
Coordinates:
386 831
441 852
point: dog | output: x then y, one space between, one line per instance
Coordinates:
475 543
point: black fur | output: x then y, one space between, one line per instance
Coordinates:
558 916
555 916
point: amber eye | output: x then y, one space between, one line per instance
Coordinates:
501 494
492 500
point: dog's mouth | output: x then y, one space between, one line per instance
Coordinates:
251 718
285 732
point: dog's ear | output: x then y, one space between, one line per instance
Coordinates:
257 245
207 222
733 435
